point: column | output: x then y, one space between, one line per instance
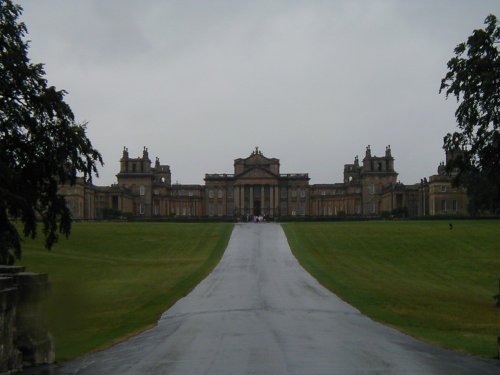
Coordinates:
236 199
242 201
271 200
251 199
262 200
276 200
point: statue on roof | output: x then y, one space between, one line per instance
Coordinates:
368 152
257 151
388 151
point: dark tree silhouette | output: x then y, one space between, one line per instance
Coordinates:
474 79
40 144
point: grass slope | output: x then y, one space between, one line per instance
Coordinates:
418 276
110 280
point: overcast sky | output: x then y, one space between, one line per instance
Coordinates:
311 82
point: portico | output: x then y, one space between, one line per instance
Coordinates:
256 198
256 188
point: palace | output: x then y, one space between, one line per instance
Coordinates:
257 187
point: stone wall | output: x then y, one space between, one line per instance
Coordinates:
24 339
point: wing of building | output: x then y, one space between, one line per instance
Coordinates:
258 188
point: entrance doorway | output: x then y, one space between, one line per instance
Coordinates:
256 207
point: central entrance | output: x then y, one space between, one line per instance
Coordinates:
256 207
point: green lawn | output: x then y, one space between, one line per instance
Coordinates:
418 276
110 280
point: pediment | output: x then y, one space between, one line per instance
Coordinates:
255 173
257 159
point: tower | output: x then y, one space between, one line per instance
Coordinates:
376 173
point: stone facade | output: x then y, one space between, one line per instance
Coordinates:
24 339
257 187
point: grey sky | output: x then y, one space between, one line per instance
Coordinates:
201 83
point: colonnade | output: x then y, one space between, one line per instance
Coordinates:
256 200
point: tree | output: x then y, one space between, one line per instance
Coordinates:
40 144
474 79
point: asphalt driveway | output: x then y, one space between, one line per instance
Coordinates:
260 312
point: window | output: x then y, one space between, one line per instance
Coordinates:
142 208
114 202
142 190
210 193
134 167
283 193
455 205
302 193
190 194
323 192
443 205
371 189
230 193
219 193
294 193
443 189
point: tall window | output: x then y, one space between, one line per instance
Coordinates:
210 193
142 190
455 205
142 208
219 193
443 205
283 192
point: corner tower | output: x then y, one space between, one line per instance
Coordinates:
376 173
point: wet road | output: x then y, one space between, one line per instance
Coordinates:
259 312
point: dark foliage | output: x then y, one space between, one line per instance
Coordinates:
473 78
40 144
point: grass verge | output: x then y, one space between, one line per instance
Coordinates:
110 280
418 276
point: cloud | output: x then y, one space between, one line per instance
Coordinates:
202 83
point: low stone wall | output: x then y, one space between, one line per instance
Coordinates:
24 339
